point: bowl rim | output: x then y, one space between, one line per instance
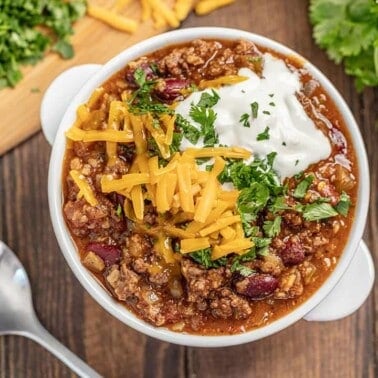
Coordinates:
87 280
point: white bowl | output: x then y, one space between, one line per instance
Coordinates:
344 297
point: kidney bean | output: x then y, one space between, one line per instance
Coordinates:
111 254
293 252
169 89
257 286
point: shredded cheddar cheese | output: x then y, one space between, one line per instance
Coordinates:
206 6
84 187
162 13
113 19
223 80
79 135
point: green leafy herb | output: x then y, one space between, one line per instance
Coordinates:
266 112
243 270
348 31
254 109
250 202
272 228
301 189
190 132
318 211
142 101
29 28
279 204
205 117
264 135
343 206
208 100
203 257
244 119
119 210
272 104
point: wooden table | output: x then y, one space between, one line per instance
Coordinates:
344 348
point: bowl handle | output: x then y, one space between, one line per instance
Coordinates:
60 93
350 292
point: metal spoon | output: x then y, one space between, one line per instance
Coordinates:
17 315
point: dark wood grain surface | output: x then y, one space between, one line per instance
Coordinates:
344 348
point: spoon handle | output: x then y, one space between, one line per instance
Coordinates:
39 334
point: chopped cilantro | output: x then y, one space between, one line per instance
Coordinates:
272 228
284 144
271 94
254 109
207 100
241 269
142 102
343 206
266 112
30 28
250 202
119 210
203 257
190 132
206 118
264 135
272 103
318 211
279 204
301 189
296 162
244 119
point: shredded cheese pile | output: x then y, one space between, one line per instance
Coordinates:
181 192
162 13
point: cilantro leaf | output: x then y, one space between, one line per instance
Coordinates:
250 202
203 257
272 228
30 28
254 109
190 132
348 31
208 100
264 135
318 211
301 189
206 118
243 270
244 119
343 206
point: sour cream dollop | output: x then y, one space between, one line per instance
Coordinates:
292 133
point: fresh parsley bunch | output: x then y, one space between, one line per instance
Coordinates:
348 30
29 27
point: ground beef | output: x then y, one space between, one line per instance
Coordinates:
224 303
84 219
200 282
208 59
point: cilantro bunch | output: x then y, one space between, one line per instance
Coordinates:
29 27
348 30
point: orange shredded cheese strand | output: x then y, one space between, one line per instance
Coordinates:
108 184
162 9
85 188
112 19
234 246
207 6
138 201
227 152
194 244
223 80
219 224
182 8
79 135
